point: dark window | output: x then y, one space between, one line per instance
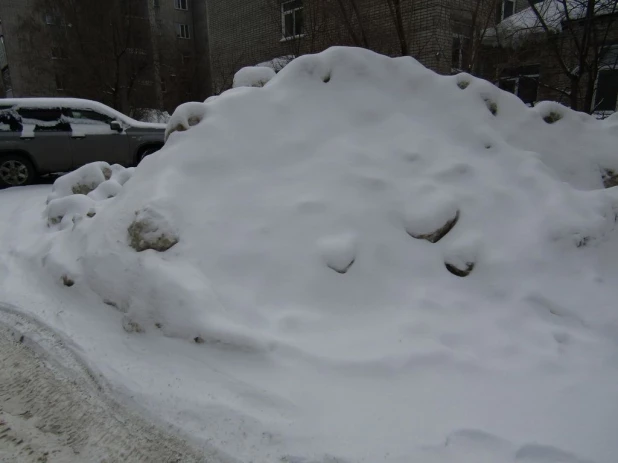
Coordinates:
459 52
181 4
50 19
508 85
528 89
89 116
182 31
508 8
41 114
10 118
6 79
606 98
163 86
59 82
525 87
45 119
292 18
57 53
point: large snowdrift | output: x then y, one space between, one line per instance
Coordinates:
385 264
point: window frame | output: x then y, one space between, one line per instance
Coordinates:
183 31
502 9
604 67
462 45
292 12
59 55
60 83
517 79
179 3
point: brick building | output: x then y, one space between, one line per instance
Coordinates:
443 34
573 61
128 54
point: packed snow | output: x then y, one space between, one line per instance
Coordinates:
277 64
253 76
361 261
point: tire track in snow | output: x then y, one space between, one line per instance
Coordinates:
53 409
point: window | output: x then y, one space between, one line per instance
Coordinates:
505 8
523 82
59 82
186 58
606 91
10 120
155 3
163 86
49 19
182 31
57 53
460 49
292 18
181 4
6 80
41 114
3 59
606 95
88 116
45 119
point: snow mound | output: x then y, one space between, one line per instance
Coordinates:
253 76
74 195
378 255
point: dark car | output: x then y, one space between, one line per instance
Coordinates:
40 136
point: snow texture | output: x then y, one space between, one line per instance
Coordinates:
74 195
277 64
253 76
303 315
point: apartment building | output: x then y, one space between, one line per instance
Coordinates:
571 56
129 54
443 34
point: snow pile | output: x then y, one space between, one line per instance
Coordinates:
553 13
253 76
277 64
371 262
75 195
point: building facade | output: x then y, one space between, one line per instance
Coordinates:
443 34
129 54
571 56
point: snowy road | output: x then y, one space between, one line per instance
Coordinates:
52 409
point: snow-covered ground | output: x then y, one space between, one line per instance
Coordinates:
285 280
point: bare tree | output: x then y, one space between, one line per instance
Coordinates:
576 34
100 50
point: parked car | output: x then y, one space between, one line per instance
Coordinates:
46 135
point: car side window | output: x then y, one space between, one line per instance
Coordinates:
88 116
9 120
44 119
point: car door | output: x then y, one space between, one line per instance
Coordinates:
92 138
46 137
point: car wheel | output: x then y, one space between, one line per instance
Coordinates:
147 152
15 171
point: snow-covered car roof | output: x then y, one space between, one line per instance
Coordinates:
76 103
